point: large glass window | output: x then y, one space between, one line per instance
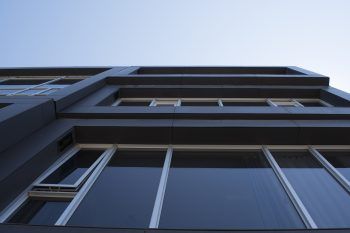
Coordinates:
225 190
32 85
327 202
125 192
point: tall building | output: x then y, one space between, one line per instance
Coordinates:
173 149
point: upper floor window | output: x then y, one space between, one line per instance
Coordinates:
35 86
222 102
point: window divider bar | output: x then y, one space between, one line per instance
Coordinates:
117 102
157 209
298 204
332 170
67 214
178 103
271 103
297 103
325 103
153 103
220 103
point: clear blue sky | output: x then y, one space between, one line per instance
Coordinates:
313 34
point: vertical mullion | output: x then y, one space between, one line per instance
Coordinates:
298 204
63 219
153 103
271 103
298 104
157 208
117 102
178 103
332 170
220 103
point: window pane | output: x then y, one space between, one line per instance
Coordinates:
225 190
340 160
125 192
74 167
39 212
166 103
312 104
198 103
134 103
229 103
327 202
285 103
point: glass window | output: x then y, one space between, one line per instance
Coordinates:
135 103
244 103
125 192
314 103
327 202
285 103
166 103
340 159
39 212
199 103
225 190
73 168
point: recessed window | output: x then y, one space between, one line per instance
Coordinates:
245 103
166 103
314 103
225 190
39 212
124 194
327 202
134 103
199 103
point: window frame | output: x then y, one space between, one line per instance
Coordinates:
270 102
68 156
111 149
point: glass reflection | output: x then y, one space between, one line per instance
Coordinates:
225 190
327 202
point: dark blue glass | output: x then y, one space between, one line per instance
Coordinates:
225 190
327 202
124 194
39 212
73 168
340 159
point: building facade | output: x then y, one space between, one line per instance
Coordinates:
173 149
